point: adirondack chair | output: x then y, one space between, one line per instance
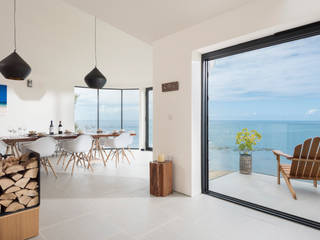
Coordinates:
305 163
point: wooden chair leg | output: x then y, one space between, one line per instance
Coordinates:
82 155
125 155
64 159
61 155
17 151
109 154
74 163
315 184
44 164
114 154
88 160
50 165
278 169
117 158
8 149
293 193
131 153
70 159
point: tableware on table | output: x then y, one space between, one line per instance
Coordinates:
99 130
32 133
67 132
43 134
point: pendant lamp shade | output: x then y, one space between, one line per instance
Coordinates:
95 79
14 67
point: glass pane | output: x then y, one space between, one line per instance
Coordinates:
131 107
110 110
275 91
85 109
150 118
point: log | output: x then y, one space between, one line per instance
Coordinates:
24 158
5 183
8 196
26 192
19 186
24 200
31 173
5 203
17 176
14 207
32 193
32 185
1 169
33 202
22 182
10 161
32 164
14 169
12 189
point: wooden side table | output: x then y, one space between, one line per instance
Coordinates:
161 178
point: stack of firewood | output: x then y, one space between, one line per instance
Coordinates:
19 183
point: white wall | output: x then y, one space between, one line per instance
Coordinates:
176 58
57 41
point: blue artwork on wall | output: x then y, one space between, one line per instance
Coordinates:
3 96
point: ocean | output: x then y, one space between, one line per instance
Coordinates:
90 126
280 135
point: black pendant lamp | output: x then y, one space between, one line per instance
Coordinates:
14 67
95 79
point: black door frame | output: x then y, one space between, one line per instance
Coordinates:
278 38
147 142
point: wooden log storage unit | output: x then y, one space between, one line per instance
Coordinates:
19 197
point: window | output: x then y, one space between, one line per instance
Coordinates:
149 118
107 109
85 109
131 101
110 109
269 85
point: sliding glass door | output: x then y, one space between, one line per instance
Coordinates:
149 118
259 97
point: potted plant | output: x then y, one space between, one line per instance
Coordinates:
246 140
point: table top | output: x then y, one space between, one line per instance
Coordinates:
13 140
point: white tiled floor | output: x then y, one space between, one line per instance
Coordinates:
264 190
114 204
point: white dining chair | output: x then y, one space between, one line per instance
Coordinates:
79 148
3 147
120 144
46 147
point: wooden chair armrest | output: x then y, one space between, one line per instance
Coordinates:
279 153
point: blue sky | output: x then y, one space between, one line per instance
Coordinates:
281 82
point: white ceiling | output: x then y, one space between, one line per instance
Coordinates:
150 20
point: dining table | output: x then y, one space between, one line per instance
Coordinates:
13 141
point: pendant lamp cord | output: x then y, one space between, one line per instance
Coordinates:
95 41
14 24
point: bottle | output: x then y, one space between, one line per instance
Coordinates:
51 128
60 128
